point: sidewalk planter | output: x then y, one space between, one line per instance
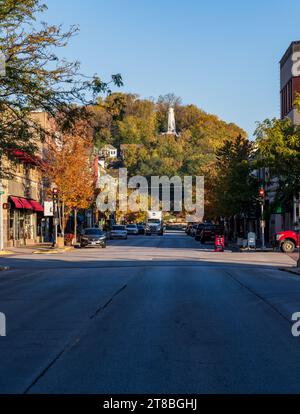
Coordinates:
69 239
60 242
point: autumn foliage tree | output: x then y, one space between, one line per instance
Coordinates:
70 169
36 78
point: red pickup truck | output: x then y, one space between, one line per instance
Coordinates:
287 240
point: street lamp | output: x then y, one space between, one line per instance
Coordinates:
55 210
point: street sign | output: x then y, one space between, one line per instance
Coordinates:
251 239
48 208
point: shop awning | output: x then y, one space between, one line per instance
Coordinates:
28 159
17 202
26 204
36 206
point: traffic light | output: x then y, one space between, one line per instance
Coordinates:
55 194
261 194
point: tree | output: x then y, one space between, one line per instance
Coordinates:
70 168
35 78
278 149
234 188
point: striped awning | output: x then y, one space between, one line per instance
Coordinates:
26 204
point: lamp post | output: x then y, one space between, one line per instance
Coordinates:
298 261
55 210
1 218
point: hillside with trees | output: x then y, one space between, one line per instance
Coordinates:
137 125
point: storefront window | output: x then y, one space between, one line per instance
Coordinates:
22 225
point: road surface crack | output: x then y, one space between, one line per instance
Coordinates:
260 297
71 343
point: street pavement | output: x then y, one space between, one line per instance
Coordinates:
149 315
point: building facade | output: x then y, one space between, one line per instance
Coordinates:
24 192
290 81
22 200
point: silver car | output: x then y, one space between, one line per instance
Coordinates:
132 229
118 232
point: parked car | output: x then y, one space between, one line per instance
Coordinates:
188 229
118 231
199 231
209 231
93 237
287 240
132 229
193 230
141 228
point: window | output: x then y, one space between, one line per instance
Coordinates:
287 99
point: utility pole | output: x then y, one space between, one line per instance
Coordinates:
261 196
1 209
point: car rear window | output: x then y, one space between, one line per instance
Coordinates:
118 227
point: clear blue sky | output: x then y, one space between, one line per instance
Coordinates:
221 55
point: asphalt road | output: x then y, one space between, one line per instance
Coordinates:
149 315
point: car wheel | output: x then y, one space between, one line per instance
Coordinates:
288 246
103 246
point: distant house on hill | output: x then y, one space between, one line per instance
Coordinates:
108 151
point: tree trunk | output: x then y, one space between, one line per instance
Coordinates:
75 225
63 219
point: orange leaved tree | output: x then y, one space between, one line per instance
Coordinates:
70 169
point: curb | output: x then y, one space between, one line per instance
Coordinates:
53 251
291 270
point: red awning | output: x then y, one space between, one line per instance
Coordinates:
17 202
24 203
28 159
36 206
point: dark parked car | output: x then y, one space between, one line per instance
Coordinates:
193 230
209 231
93 237
199 231
188 229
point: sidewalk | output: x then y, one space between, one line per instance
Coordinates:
42 248
235 248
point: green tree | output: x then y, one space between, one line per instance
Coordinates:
35 78
278 149
235 188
